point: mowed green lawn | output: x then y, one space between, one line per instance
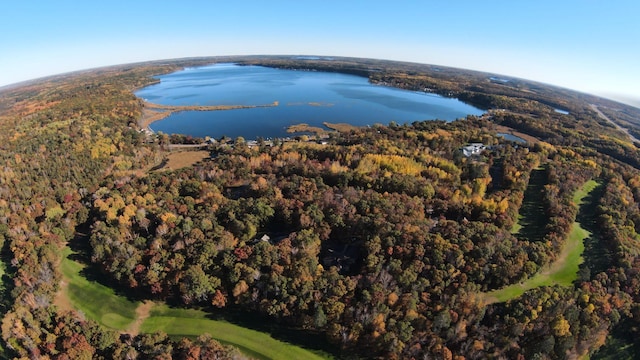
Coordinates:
190 322
116 312
561 272
96 301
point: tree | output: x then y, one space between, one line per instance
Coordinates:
197 286
319 318
561 326
163 139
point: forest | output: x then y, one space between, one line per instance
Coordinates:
383 241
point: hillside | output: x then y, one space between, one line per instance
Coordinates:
381 242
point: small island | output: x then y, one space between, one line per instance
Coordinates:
318 131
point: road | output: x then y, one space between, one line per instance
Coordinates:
624 130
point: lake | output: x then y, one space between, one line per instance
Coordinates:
303 97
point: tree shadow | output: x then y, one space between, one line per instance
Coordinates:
597 256
534 218
308 339
621 344
6 281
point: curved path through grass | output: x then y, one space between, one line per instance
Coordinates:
98 302
102 304
563 271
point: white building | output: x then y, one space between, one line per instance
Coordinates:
473 149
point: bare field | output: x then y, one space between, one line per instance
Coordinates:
181 159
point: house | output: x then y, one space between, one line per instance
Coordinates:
473 149
274 239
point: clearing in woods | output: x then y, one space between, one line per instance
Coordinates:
180 159
564 270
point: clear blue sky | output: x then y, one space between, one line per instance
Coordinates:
588 45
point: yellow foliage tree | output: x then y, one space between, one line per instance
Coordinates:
240 288
561 326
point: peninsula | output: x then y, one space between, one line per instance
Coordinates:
152 112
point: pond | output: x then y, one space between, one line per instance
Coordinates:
512 137
301 96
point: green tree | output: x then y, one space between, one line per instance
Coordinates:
197 286
319 318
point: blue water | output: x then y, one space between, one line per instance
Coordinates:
512 137
304 97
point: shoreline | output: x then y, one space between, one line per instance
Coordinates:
152 112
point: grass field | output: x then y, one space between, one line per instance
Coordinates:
190 322
116 312
585 190
181 159
563 271
95 300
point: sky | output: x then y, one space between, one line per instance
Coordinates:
587 45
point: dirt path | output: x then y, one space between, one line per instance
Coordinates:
61 300
142 313
603 116
186 146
